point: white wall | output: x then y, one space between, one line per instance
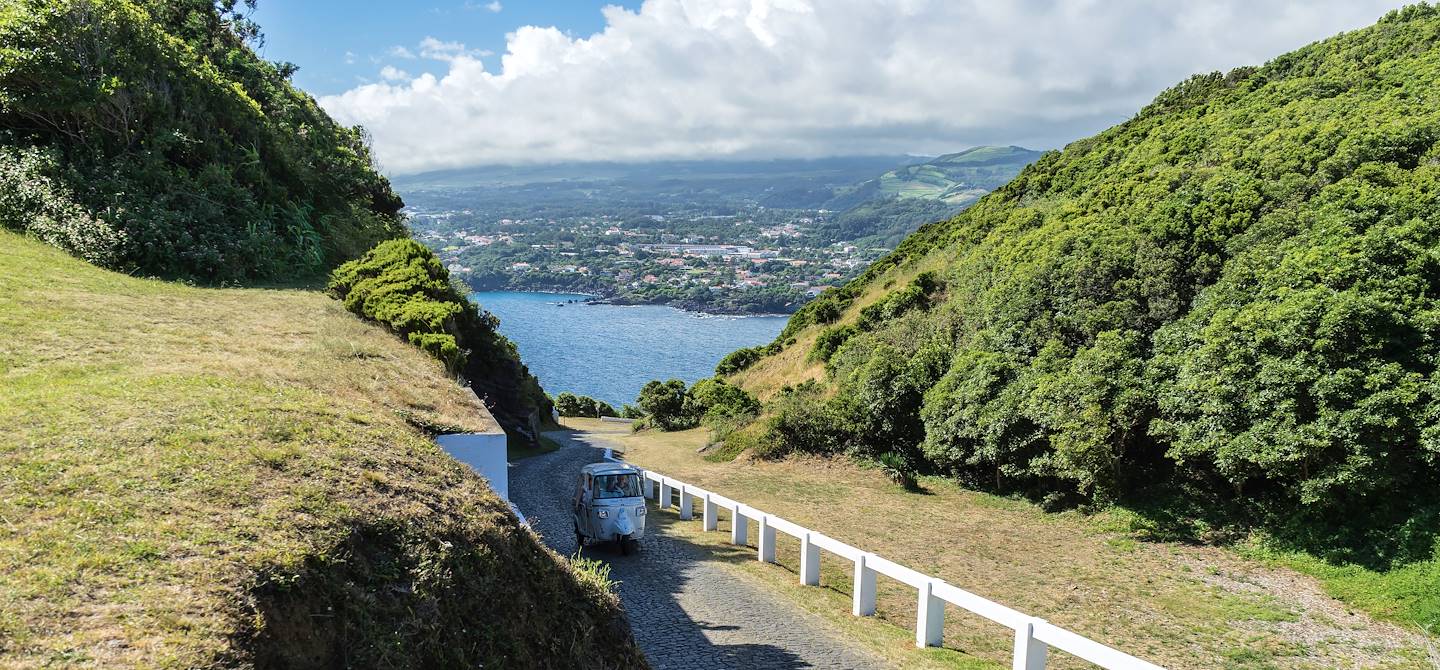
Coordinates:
485 453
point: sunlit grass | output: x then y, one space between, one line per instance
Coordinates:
1177 605
162 443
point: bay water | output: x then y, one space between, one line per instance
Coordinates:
609 351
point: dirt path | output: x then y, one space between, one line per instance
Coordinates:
687 608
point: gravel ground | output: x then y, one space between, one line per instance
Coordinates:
687 609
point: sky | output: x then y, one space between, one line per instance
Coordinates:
460 83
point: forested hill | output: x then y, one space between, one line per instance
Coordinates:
1233 295
147 136
150 138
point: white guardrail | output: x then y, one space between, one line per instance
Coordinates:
1033 636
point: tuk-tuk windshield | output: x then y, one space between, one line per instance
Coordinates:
617 486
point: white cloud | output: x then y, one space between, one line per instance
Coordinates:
766 78
495 6
438 50
401 52
392 73
350 57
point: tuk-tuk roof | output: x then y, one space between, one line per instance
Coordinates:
609 469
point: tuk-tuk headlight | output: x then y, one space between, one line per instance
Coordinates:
640 511
602 513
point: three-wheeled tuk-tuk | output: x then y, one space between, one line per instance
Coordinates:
609 505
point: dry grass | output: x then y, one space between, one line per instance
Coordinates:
1181 606
169 450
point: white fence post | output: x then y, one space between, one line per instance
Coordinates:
864 589
1030 653
687 502
711 523
739 530
809 562
929 617
1033 636
767 540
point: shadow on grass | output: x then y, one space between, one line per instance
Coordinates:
1390 533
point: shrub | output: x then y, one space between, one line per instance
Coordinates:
830 340
667 405
569 404
800 420
739 360
33 202
403 285
716 401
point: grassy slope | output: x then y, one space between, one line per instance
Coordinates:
201 476
1178 605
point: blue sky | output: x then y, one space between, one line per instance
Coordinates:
340 45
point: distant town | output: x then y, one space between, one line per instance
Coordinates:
755 260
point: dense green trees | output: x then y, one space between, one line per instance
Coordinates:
401 284
569 404
1230 297
165 145
669 405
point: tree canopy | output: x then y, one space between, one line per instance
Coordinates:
162 144
1233 294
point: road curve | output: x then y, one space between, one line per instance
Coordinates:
688 609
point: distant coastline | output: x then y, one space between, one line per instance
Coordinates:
600 297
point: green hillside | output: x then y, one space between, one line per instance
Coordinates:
880 212
1222 313
147 136
233 477
960 177
956 179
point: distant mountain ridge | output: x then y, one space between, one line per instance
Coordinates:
835 183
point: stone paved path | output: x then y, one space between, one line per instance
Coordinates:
688 609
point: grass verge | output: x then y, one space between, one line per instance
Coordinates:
229 478
1177 605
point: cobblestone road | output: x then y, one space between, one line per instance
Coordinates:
688 609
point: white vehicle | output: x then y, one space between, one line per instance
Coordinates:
609 505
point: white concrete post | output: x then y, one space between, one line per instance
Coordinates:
739 530
809 562
1030 653
664 494
864 589
649 488
711 523
767 540
687 503
929 617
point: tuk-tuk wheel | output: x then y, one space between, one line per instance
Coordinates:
579 539
625 545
